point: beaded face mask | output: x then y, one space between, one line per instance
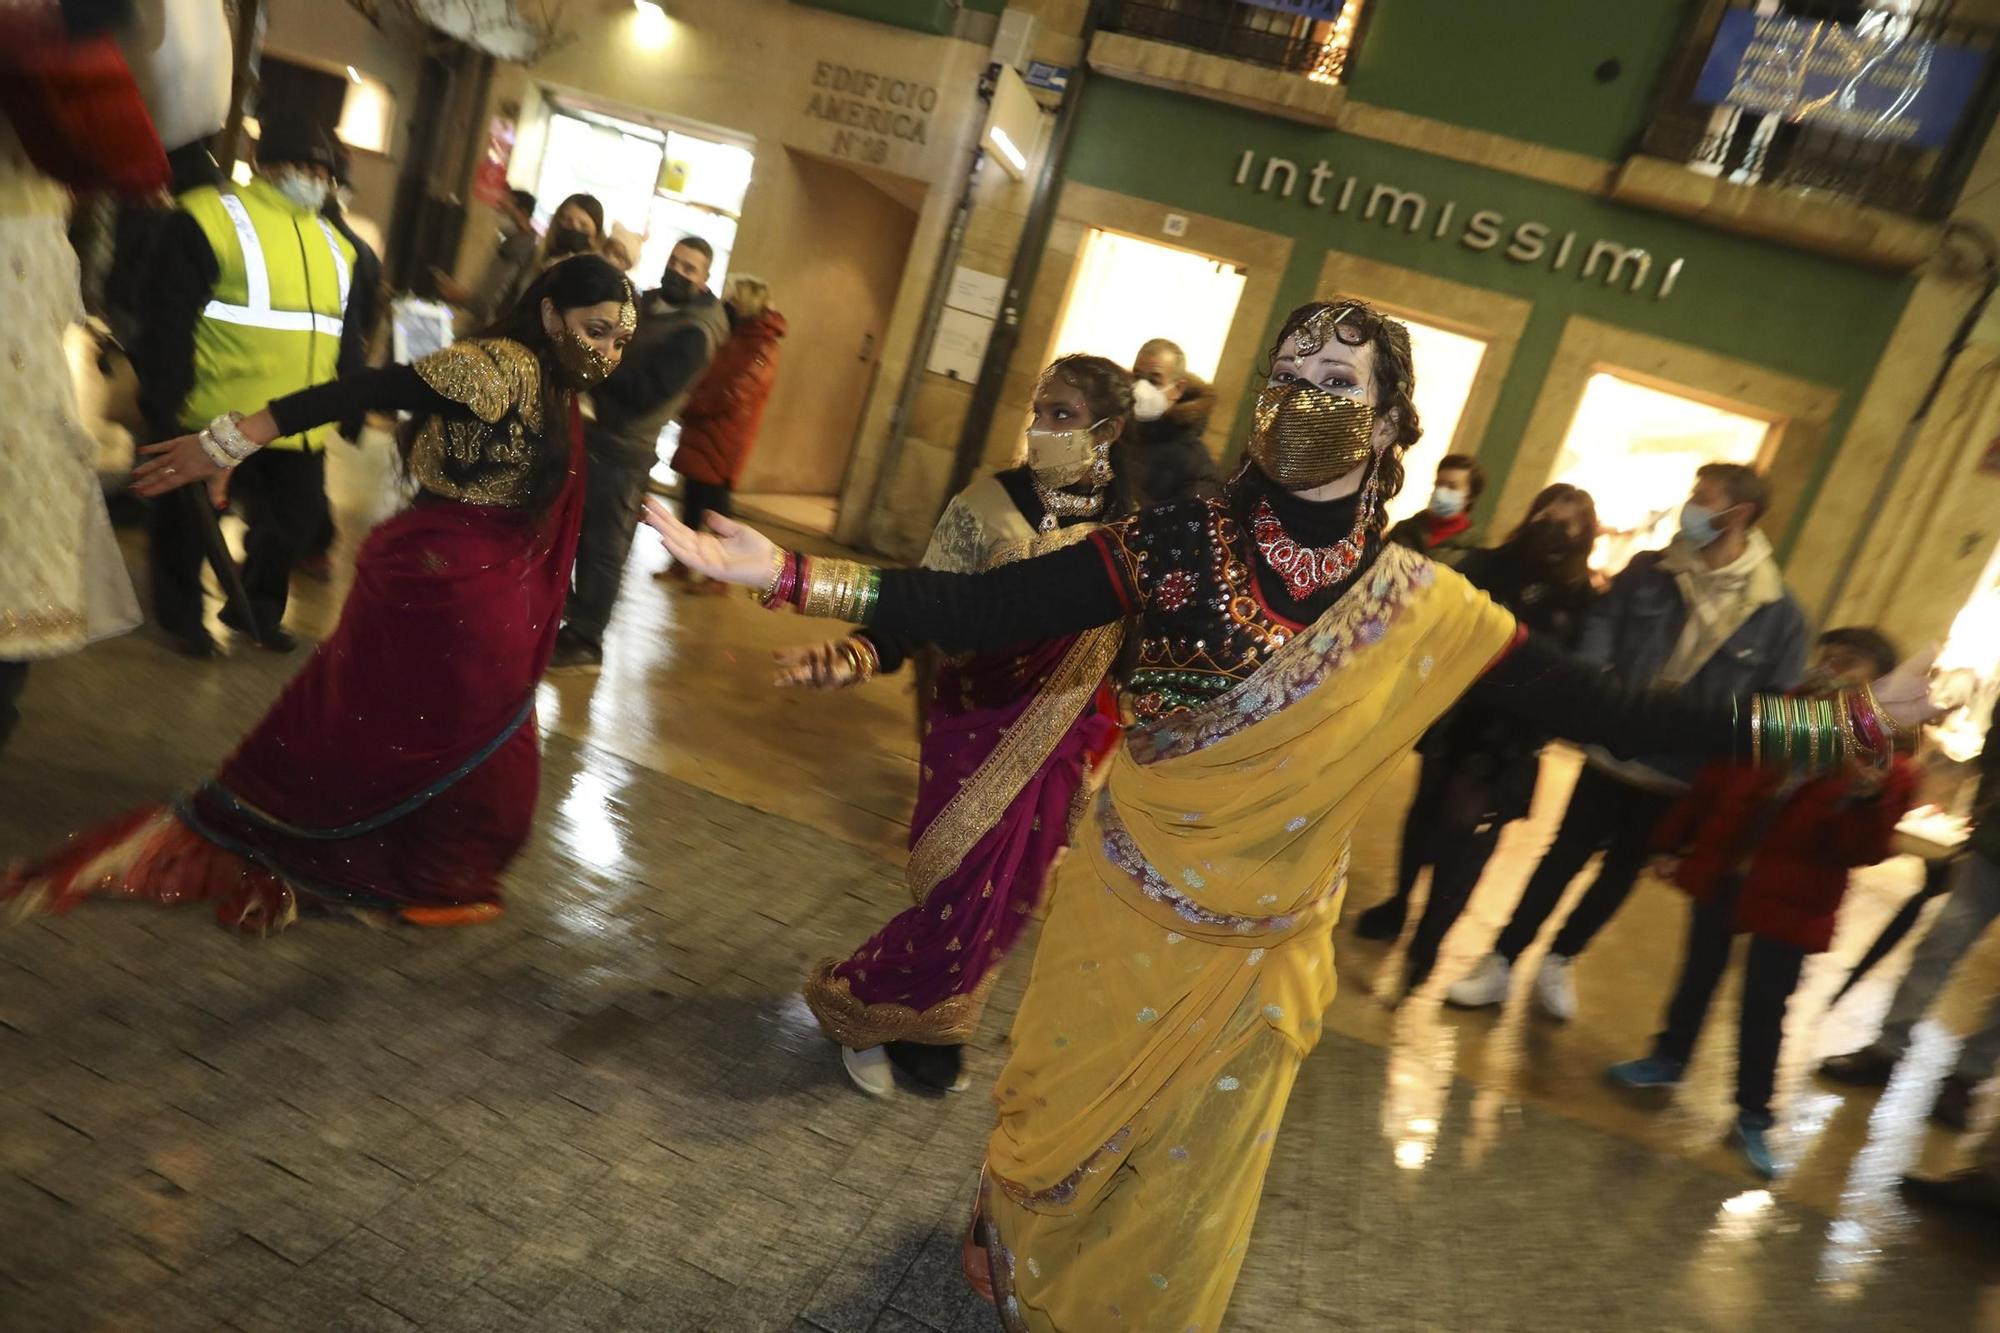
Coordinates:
1066 457
1303 437
582 364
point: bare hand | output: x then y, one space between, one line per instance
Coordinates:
1904 694
821 667
729 551
1666 867
171 464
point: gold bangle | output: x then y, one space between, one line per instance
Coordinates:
840 590
1882 719
777 576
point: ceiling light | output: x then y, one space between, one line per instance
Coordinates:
1005 147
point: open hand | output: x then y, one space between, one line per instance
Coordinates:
171 464
729 551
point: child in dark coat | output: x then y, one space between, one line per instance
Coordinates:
1763 854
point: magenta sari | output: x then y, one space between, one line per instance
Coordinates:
1011 741
398 771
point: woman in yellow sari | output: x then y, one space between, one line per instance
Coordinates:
1288 661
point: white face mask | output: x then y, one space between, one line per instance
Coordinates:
1149 400
308 192
1064 457
1447 503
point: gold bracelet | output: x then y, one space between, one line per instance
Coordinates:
777 575
867 662
1882 719
840 590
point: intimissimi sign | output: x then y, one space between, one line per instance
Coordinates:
1621 267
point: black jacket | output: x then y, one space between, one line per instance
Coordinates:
1159 462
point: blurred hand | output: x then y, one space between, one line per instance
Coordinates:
1904 694
171 464
1666 867
823 666
729 551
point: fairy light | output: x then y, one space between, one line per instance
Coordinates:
1332 62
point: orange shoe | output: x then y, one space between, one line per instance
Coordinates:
465 914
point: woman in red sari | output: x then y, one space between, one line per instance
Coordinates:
396 775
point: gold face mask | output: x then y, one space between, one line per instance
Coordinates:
582 364
1304 437
1061 458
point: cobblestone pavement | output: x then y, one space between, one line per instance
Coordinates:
609 1110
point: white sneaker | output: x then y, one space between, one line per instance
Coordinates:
1485 985
869 1070
1555 988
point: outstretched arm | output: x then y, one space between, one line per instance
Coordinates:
1537 681
1063 592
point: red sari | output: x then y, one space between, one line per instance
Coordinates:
398 771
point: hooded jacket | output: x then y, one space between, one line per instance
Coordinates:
720 421
1159 462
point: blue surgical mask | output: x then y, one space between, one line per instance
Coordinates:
1447 503
1699 528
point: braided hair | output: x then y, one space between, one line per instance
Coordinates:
1357 324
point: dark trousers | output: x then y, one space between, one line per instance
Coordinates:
1770 975
280 494
613 492
1456 846
1605 815
704 497
13 679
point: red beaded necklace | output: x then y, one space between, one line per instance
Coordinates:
1307 569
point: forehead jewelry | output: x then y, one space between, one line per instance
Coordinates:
1322 327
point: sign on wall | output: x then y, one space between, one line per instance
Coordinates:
875 118
1870 79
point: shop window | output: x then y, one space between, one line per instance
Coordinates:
1635 449
1127 291
1448 365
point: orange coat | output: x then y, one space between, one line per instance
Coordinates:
720 421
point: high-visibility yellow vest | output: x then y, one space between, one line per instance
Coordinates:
272 323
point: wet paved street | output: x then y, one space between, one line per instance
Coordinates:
610 1111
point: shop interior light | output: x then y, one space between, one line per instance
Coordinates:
1005 147
353 75
651 26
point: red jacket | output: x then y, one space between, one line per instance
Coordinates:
1795 874
720 421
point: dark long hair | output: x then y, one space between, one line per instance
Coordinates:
1573 563
1105 385
1395 376
568 284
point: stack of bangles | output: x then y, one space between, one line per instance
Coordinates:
1814 734
833 589
224 442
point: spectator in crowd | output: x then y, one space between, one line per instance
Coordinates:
1161 458
719 424
1443 531
249 298
681 326
508 273
1480 766
1971 908
1709 613
1768 856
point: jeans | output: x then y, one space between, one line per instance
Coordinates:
1604 814
1456 849
613 493
1771 974
1971 908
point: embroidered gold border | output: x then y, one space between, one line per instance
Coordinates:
952 1021
985 796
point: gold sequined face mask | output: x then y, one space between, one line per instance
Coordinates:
1061 458
583 365
1303 437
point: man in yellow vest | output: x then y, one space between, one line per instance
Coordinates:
250 288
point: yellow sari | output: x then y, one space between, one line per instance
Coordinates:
1187 959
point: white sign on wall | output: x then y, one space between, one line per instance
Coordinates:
960 346
976 293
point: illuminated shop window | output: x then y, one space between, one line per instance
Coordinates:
1970 667
1128 291
1635 449
1447 365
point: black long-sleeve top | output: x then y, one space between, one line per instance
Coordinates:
1131 569
388 389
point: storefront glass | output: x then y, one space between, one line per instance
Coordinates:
1635 449
1447 363
1127 291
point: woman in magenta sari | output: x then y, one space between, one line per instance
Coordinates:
396 775
1010 738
